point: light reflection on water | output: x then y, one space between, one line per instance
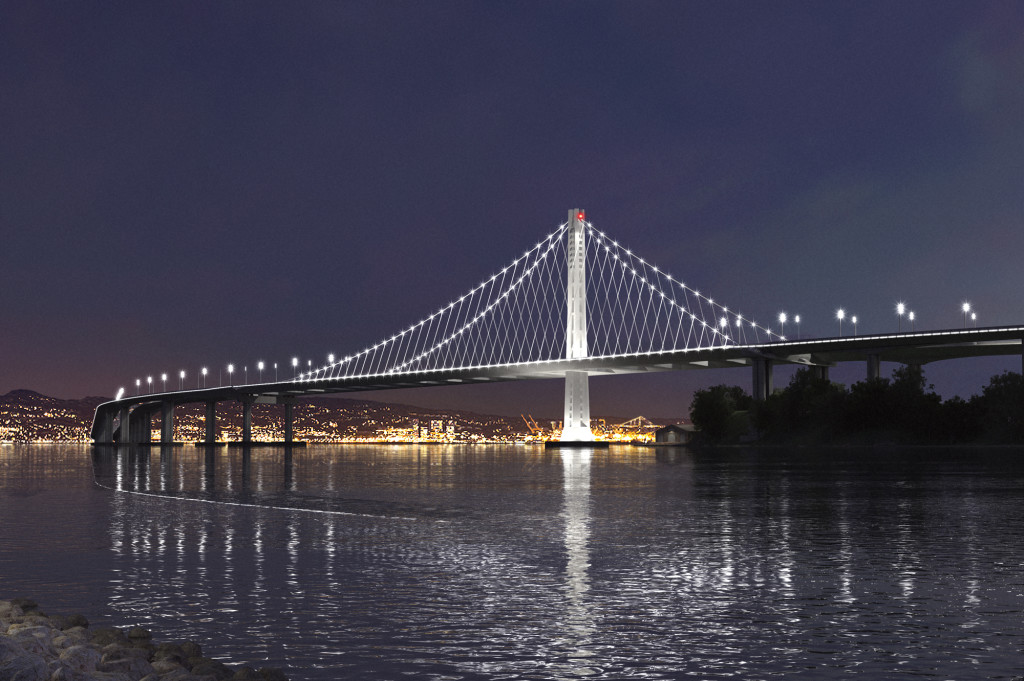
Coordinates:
501 563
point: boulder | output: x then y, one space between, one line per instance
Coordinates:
82 658
246 673
106 635
191 649
69 674
26 604
209 667
34 639
134 667
272 674
24 667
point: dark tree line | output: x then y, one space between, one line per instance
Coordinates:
904 409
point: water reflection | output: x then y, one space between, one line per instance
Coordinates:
579 621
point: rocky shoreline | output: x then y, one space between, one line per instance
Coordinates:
39 647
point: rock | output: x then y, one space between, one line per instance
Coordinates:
24 667
69 674
77 620
134 667
166 665
138 633
210 667
246 673
191 649
272 674
34 639
107 635
82 658
169 651
26 604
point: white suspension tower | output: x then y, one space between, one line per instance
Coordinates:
576 424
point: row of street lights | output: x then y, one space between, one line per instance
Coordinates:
901 311
203 372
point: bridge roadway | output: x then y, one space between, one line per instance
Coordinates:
918 348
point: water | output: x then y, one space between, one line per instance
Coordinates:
439 562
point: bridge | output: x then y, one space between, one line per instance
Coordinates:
577 304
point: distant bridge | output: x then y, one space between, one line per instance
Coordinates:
542 316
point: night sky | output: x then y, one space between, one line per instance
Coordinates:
193 183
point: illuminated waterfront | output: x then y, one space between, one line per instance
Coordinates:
515 562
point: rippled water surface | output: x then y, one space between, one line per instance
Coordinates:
477 562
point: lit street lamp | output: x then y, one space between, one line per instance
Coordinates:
231 371
974 318
204 377
259 365
295 365
910 316
149 384
900 309
966 307
246 370
854 320
782 324
330 358
275 372
797 320
138 384
181 379
840 314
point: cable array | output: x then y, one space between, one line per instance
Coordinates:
518 316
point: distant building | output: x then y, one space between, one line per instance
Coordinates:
673 435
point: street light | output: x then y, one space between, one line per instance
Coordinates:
138 384
797 320
259 365
149 384
974 318
231 371
295 365
900 309
330 358
782 324
840 314
966 307
910 316
204 377
275 372
854 320
181 379
246 370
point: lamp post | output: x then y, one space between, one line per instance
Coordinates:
138 386
840 315
181 379
330 358
275 372
900 309
974 318
246 370
149 384
782 324
966 307
204 376
854 320
295 365
910 316
259 365
231 371
797 320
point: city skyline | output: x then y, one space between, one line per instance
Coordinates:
190 186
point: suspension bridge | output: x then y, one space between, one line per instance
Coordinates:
577 304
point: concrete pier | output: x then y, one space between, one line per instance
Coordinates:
211 423
167 423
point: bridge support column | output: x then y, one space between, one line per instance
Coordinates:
576 423
874 367
820 372
289 419
167 423
576 419
106 428
211 423
763 379
141 427
247 420
124 429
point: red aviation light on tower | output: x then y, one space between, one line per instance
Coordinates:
580 216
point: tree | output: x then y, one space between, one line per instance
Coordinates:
1002 406
713 411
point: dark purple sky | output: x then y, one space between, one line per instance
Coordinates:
194 183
